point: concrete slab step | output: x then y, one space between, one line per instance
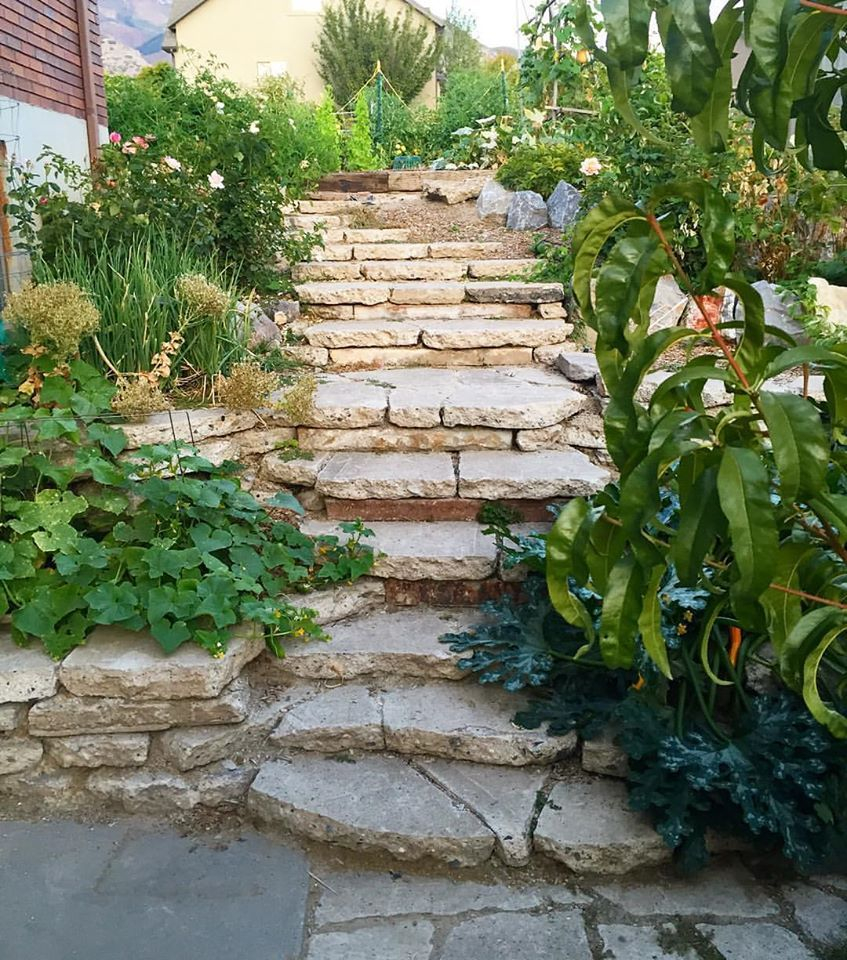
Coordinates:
373 804
462 334
398 644
464 721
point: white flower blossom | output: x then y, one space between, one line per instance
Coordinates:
304 164
254 127
216 181
219 106
172 162
590 167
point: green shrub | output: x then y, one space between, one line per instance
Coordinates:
359 146
469 95
541 167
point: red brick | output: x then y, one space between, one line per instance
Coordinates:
423 509
448 593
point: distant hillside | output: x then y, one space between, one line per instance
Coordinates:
137 23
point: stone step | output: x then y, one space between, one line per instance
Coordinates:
335 266
433 292
461 334
505 398
471 474
342 203
352 235
454 812
399 644
454 721
461 311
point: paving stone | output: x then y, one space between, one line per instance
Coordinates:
514 292
310 222
156 791
836 881
578 366
502 797
18 754
583 430
26 673
759 941
264 441
408 940
427 510
495 474
344 403
590 828
334 251
628 942
552 311
346 269
502 269
725 891
414 270
65 715
820 914
112 750
519 935
602 755
363 333
391 438
191 747
352 292
374 804
188 425
466 722
386 358
338 311
464 249
715 393
441 311
348 717
300 471
125 663
378 235
387 475
365 895
428 293
390 251
340 602
476 332
11 716
403 643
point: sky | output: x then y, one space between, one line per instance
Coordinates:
497 21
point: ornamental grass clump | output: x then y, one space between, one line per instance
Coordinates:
246 387
57 316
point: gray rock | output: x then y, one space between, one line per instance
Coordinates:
19 754
627 942
115 750
361 476
602 755
124 663
26 673
504 474
502 797
465 722
563 205
150 791
374 804
264 331
668 305
11 715
820 914
580 367
527 211
348 717
65 715
724 891
590 828
778 309
286 311
340 602
509 935
759 941
399 940
494 201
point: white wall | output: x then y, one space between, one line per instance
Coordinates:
26 130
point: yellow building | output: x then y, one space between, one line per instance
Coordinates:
269 38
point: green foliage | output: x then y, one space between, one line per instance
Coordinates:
359 147
328 152
548 62
541 167
159 539
460 50
468 96
354 37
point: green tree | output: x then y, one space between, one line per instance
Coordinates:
353 38
360 149
460 50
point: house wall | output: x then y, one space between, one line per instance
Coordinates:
244 34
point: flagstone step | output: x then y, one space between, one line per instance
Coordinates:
400 644
352 235
505 398
454 721
356 247
434 292
423 311
460 334
335 266
471 474
454 812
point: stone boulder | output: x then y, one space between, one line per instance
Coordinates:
494 201
264 331
458 191
778 309
527 211
669 304
563 205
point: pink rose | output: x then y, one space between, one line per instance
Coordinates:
115 137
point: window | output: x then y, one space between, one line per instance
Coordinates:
306 6
271 68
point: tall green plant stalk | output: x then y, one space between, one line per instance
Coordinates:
132 285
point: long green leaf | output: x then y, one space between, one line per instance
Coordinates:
559 569
627 25
621 611
765 31
619 284
700 523
803 639
799 443
744 492
650 623
691 55
784 610
834 721
710 127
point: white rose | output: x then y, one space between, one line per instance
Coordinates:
590 167
216 181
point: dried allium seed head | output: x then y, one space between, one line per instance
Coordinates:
56 316
139 397
202 297
247 387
